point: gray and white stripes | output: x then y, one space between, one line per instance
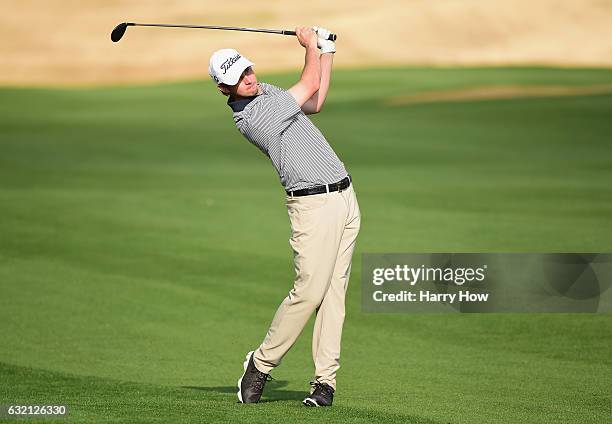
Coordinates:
274 122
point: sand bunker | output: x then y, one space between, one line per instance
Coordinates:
67 41
497 93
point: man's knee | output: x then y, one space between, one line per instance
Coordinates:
308 297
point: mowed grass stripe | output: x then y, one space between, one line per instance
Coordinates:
475 94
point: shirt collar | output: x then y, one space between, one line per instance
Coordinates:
239 105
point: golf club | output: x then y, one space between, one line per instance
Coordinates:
120 29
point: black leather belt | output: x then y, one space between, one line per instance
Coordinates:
339 186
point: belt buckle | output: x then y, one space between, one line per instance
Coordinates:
339 186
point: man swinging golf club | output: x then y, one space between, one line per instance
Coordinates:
320 201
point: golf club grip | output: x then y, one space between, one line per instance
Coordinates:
332 37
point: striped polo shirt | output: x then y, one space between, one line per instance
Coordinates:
276 125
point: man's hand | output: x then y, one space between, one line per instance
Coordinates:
307 37
326 46
323 33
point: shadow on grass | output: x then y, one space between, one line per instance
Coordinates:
130 402
272 393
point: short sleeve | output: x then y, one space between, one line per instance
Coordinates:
270 88
274 112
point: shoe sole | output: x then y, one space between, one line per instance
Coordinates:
310 402
244 365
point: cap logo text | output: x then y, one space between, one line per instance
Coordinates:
229 62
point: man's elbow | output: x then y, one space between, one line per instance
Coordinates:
311 110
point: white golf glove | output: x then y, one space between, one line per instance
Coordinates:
326 46
321 32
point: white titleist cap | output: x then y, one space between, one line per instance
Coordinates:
226 66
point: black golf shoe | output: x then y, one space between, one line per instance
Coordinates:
252 382
322 395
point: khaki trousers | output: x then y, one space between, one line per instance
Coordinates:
324 229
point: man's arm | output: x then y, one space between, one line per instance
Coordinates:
315 103
310 80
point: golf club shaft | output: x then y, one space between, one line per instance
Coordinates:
270 31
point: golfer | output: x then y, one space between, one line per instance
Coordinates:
321 204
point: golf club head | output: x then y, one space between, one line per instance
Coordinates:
119 30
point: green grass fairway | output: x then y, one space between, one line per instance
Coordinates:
144 250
